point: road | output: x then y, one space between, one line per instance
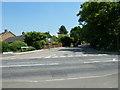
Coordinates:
65 67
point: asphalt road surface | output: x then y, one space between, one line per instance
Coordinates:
65 67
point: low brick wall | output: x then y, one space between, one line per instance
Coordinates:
52 46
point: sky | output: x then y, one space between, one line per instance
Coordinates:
19 17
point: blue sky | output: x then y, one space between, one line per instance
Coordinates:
39 16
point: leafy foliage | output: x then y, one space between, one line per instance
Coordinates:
16 45
75 33
47 34
35 39
39 44
101 24
62 30
30 48
54 38
4 46
65 39
55 43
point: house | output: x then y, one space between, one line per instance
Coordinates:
12 39
9 37
6 34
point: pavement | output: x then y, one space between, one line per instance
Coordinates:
64 67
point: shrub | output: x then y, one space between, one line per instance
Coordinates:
55 43
34 37
4 46
30 48
16 45
65 39
39 44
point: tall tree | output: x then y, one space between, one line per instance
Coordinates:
47 34
101 24
62 30
75 33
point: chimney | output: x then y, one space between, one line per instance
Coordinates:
6 30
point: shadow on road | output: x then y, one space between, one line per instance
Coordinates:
86 49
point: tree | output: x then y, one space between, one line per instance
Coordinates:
33 38
64 39
62 30
47 34
75 33
39 44
101 27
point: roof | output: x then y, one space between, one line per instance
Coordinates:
17 38
3 33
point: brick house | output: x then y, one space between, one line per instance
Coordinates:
17 38
5 35
9 37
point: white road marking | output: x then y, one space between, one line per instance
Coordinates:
35 64
70 56
31 65
12 58
48 57
114 59
62 56
55 80
101 61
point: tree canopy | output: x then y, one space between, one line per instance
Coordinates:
62 30
101 24
47 34
32 38
76 34
64 39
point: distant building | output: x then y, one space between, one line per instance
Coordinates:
9 37
6 34
17 38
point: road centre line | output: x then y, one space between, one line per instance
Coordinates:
48 57
34 64
63 56
101 61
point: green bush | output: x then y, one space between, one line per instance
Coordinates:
34 37
16 45
55 43
65 39
30 48
39 44
4 46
